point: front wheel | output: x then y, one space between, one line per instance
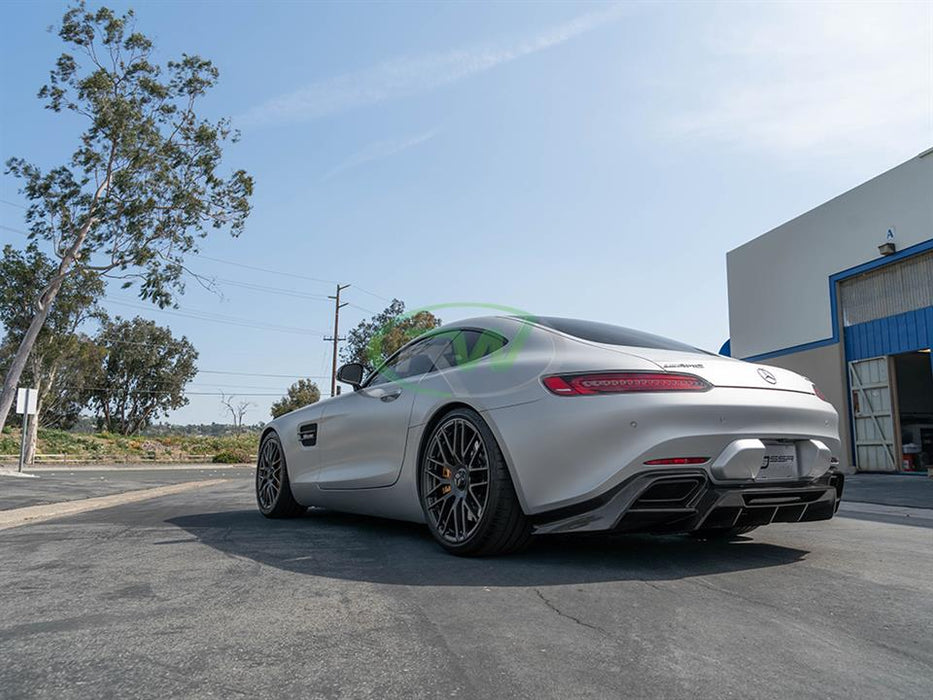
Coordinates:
466 492
273 491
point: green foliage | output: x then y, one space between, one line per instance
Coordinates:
170 430
144 183
9 443
23 275
304 392
232 457
97 446
62 442
143 375
63 362
374 340
71 386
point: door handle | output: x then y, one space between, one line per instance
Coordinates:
391 396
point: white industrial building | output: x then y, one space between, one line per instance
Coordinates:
844 295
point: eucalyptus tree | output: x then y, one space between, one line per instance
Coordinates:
144 184
373 340
143 375
304 392
63 361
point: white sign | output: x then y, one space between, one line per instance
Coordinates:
889 236
27 401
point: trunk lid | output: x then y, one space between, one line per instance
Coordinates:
721 371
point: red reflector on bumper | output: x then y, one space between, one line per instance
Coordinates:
678 460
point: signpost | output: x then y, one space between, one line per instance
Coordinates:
27 401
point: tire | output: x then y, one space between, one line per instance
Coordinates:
466 492
722 533
273 490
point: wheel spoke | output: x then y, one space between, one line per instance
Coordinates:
438 462
465 440
443 526
450 449
437 488
440 501
461 443
479 505
474 453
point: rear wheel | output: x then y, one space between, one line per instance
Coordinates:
273 492
467 495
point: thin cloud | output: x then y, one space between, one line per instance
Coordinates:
380 150
829 78
402 77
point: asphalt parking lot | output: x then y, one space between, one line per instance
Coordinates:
194 594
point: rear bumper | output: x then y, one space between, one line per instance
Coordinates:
678 501
562 451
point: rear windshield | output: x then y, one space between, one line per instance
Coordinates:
612 335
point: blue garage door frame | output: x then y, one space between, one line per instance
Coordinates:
834 280
892 335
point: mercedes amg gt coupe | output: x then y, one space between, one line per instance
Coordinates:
495 429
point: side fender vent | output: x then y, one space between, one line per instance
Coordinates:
307 434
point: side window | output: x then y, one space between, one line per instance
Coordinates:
416 359
473 345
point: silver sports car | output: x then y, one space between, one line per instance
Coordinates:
495 429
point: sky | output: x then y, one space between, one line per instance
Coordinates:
591 160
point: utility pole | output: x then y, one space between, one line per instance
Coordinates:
336 337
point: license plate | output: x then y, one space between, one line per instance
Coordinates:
779 462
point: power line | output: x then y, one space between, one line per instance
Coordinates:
285 292
155 391
246 285
372 294
361 308
233 388
267 270
258 374
272 290
282 273
219 318
13 204
14 230
173 344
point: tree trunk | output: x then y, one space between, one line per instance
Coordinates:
32 437
22 354
11 380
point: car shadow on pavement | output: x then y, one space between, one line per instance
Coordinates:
360 548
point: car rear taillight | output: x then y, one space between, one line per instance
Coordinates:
819 394
678 461
592 383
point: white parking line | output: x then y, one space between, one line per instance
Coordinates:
877 509
138 466
17 475
35 514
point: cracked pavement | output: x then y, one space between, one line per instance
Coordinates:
196 595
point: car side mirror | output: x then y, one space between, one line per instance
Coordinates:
352 374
